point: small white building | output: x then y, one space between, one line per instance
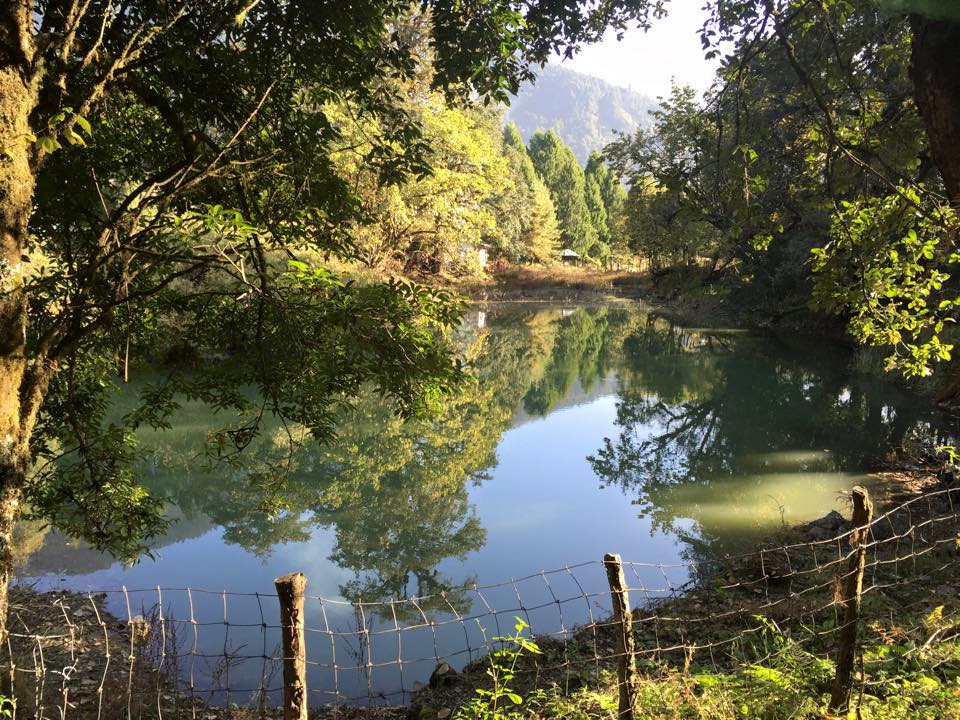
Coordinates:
569 257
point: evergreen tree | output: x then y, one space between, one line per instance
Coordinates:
517 153
614 200
527 228
598 213
557 166
514 206
542 237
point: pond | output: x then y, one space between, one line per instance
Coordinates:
588 430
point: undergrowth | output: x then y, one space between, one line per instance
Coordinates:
900 676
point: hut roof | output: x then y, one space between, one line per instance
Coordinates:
567 252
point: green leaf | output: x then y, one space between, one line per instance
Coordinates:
49 144
84 124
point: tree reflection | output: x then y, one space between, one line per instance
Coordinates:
710 427
394 492
708 421
585 349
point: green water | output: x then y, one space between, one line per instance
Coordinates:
588 430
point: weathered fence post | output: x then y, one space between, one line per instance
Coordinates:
290 590
623 626
852 588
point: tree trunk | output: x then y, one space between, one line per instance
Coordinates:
18 400
934 65
9 507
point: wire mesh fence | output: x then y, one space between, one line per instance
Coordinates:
186 652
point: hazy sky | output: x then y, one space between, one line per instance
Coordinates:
646 62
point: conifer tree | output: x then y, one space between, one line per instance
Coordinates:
557 166
598 213
525 214
614 200
515 149
542 237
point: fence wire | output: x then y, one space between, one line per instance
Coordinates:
188 652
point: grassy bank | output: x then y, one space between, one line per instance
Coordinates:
688 294
912 672
551 283
919 684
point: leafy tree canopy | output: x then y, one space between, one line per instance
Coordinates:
825 145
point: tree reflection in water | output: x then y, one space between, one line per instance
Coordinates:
394 492
709 425
715 425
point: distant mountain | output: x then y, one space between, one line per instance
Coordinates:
583 110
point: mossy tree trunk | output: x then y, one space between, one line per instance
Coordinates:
20 379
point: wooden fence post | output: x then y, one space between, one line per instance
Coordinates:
290 589
852 587
623 622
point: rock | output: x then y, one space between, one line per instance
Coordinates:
829 526
443 674
443 713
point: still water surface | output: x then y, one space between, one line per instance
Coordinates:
589 430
